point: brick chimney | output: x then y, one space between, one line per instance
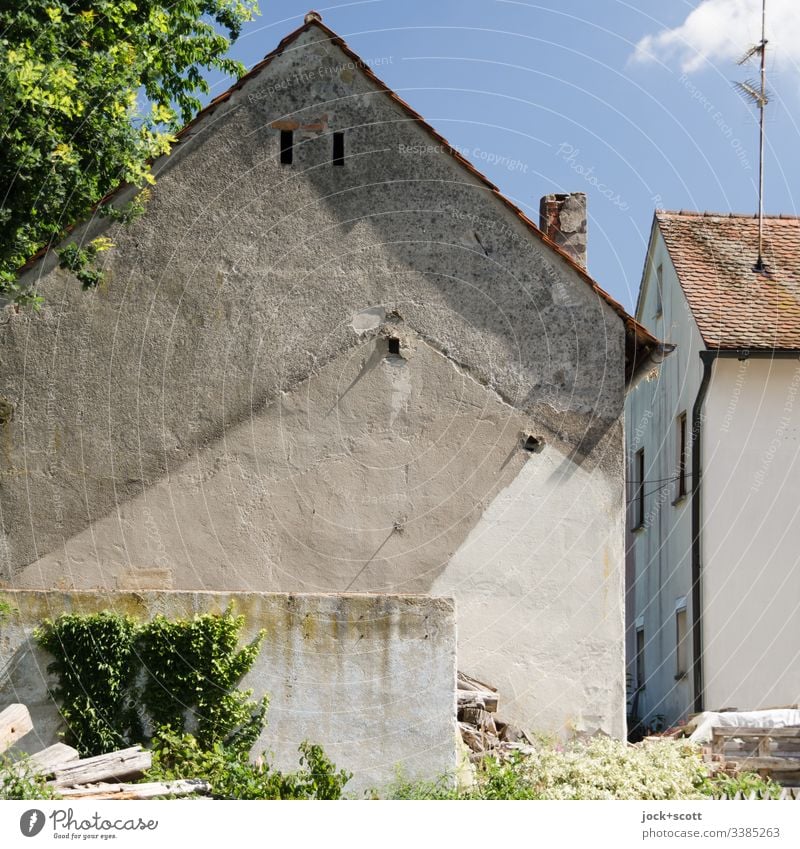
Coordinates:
563 219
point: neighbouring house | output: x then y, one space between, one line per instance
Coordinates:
714 472
332 357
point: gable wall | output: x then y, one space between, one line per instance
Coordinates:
751 492
146 411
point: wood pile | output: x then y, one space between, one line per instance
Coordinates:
99 777
483 732
771 752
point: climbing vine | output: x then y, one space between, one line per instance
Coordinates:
120 681
5 610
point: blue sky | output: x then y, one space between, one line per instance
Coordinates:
558 92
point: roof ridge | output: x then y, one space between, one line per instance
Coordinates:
694 213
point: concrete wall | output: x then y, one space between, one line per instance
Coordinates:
751 535
660 550
371 678
223 413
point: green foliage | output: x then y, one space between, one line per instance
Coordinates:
5 610
195 664
71 126
600 768
117 676
233 776
727 786
19 781
80 261
95 665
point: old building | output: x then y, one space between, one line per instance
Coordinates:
714 471
332 357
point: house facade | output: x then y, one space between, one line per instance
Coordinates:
713 600
332 357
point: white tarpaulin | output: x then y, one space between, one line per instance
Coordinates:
704 722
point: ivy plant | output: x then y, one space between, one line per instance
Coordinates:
119 679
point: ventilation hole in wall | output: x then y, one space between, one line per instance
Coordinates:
532 444
338 148
287 147
394 346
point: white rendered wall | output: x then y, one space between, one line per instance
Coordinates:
659 554
751 534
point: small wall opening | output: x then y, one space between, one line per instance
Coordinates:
338 148
394 346
532 443
287 147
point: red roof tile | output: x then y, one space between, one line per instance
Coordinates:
734 305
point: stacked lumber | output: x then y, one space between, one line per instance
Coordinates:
771 752
483 732
99 777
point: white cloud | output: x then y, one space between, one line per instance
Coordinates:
722 30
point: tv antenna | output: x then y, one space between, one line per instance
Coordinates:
756 92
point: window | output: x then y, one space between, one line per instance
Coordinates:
681 640
640 658
682 455
287 147
659 290
638 485
338 148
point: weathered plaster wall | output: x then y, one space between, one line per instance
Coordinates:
751 493
371 678
221 413
394 474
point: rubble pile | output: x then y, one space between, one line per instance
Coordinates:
483 732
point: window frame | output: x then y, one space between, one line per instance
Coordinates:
641 680
682 450
681 640
639 493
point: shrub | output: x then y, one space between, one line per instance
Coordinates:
19 781
599 768
233 776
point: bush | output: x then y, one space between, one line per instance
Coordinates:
599 768
19 781
233 776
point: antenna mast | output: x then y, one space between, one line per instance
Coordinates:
758 95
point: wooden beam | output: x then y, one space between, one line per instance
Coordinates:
744 731
126 763
53 757
15 723
772 764
477 699
147 790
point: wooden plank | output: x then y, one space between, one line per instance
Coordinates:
467 682
742 731
126 763
477 699
53 757
773 764
15 723
147 790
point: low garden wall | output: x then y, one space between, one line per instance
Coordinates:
369 677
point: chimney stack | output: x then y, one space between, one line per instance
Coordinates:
562 218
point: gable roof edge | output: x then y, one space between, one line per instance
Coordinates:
644 342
